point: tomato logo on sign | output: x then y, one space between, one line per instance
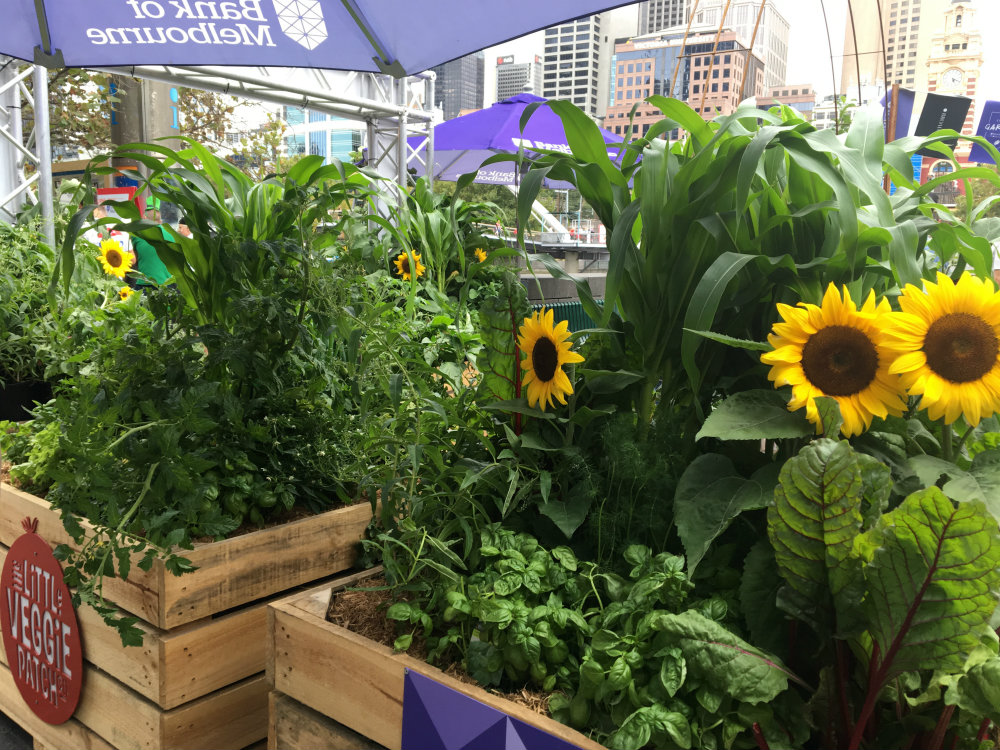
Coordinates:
40 633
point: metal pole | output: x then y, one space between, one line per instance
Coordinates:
401 135
43 145
429 106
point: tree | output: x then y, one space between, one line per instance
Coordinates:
80 113
262 151
205 116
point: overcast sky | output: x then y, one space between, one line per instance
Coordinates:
808 55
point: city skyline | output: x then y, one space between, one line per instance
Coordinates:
804 64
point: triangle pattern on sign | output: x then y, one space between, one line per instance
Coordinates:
457 718
436 717
418 726
492 739
301 21
536 739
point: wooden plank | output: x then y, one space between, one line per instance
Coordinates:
297 727
359 683
338 675
230 573
71 734
228 719
138 594
248 567
231 718
172 667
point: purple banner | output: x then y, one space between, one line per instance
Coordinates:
989 128
436 717
417 34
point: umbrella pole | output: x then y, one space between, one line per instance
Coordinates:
43 144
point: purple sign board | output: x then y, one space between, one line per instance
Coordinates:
436 717
989 128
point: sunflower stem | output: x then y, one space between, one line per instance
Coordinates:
946 442
961 441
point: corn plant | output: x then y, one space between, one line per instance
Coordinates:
753 208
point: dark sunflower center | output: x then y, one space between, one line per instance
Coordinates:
961 347
840 360
405 265
114 258
544 359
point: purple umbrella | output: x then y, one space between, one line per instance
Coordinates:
462 144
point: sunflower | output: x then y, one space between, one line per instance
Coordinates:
480 255
947 342
124 293
114 260
838 351
403 266
547 350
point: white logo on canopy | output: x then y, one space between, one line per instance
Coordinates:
302 21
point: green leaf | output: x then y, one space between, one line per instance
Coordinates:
813 523
604 640
759 587
703 306
565 557
716 657
978 691
568 514
673 671
755 415
709 495
754 346
402 642
931 582
608 381
653 724
981 482
544 484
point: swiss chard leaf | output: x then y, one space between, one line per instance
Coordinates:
718 658
931 582
932 578
813 523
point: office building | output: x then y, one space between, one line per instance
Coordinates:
770 42
319 134
770 35
514 78
656 15
459 85
571 63
705 72
800 97
881 49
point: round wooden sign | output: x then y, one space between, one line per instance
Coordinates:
40 633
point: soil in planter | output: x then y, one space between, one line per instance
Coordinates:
361 609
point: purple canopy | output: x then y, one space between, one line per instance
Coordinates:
394 36
462 144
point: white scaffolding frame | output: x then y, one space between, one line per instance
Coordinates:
391 108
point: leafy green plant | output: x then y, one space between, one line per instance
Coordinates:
900 601
23 307
750 209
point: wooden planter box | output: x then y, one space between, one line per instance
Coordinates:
334 688
198 679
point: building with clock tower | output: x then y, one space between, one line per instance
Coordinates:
955 60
